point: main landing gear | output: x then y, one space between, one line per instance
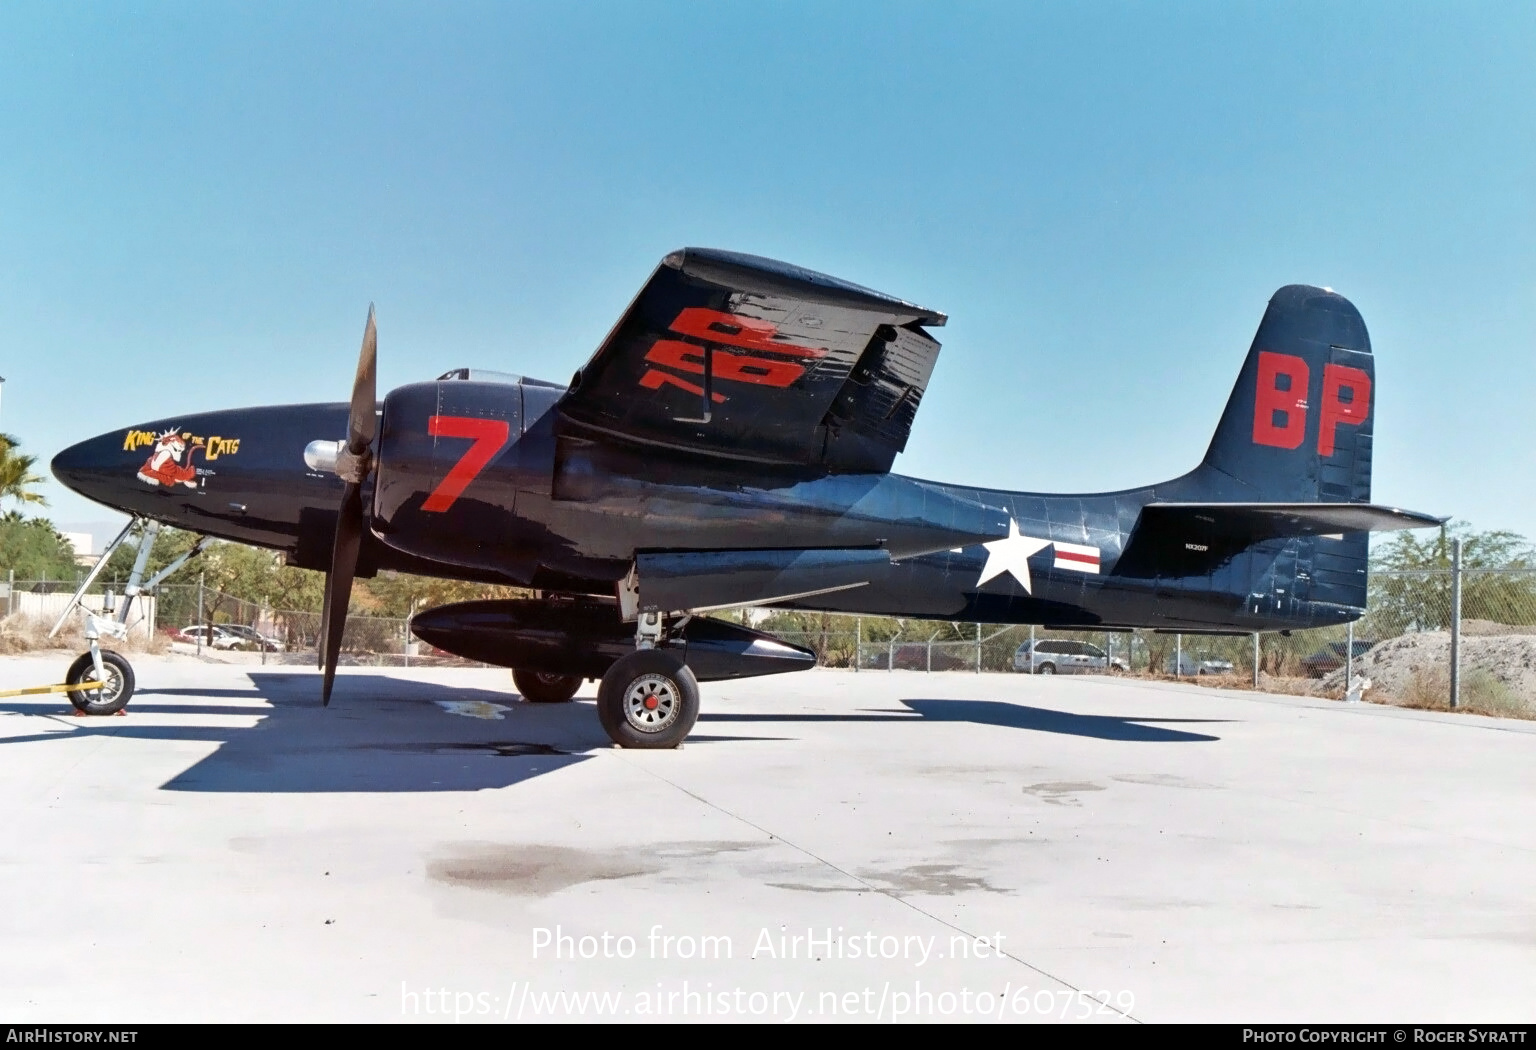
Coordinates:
543 687
649 698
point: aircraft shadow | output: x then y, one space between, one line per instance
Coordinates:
1010 716
384 734
380 734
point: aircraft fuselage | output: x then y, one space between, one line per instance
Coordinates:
560 514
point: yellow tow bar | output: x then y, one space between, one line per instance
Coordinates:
50 689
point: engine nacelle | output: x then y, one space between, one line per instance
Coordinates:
452 457
585 637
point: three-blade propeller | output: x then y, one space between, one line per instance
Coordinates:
353 465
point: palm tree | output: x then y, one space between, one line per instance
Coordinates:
17 481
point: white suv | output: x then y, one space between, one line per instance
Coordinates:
1060 656
251 638
211 637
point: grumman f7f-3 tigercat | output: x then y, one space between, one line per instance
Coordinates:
730 444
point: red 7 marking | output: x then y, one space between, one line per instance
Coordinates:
490 437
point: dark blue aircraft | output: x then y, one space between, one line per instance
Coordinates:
730 444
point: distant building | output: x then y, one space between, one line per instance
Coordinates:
83 545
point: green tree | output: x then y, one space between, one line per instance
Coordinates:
242 581
33 548
17 480
1411 580
236 578
397 594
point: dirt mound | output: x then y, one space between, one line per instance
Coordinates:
1498 671
1480 628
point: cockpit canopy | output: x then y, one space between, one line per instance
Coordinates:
487 375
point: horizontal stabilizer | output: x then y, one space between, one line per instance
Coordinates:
700 581
1191 539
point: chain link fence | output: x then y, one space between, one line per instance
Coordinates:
191 618
1411 646
267 635
1405 643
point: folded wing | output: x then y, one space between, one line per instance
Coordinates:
738 357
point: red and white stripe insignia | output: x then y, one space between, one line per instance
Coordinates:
1076 556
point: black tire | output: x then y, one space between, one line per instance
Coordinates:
107 701
541 687
1046 669
648 699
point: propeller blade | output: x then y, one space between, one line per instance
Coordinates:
325 619
338 583
362 422
353 465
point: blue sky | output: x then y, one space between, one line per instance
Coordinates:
198 202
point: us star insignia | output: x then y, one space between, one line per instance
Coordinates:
1011 555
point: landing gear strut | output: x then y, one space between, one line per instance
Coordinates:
104 665
648 698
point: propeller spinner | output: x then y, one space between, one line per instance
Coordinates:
354 463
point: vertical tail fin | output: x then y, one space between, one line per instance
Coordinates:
1278 515
1297 427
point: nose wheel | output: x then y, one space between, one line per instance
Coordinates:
116 680
648 699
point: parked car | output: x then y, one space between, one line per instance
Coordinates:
211 636
252 638
1189 664
1331 657
1060 656
914 656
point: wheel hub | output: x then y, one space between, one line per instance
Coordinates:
112 684
651 703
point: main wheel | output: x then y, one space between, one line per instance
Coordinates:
541 687
115 691
1046 669
648 698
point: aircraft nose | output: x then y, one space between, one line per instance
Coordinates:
92 468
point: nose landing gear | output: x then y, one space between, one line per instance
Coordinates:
114 674
104 666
